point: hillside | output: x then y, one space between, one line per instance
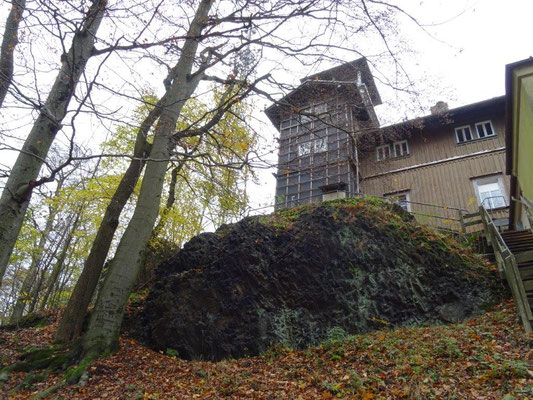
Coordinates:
356 301
484 358
292 277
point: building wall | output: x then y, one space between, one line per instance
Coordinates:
524 171
439 171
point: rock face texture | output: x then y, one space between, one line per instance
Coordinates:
292 276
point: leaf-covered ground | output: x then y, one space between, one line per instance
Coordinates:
488 357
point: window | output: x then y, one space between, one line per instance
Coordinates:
321 145
484 129
304 148
383 152
304 119
400 148
463 134
490 191
400 198
320 108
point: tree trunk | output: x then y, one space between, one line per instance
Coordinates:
58 267
144 275
33 280
33 270
170 200
106 318
9 42
71 322
17 192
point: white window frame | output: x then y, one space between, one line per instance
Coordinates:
482 125
461 128
474 134
304 149
395 198
304 119
490 203
383 147
321 144
400 143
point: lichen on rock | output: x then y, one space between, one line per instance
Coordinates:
292 276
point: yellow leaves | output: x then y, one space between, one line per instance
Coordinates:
471 201
243 146
383 322
367 396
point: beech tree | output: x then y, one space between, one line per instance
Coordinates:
200 181
23 176
9 43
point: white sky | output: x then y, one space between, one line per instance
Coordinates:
462 61
478 45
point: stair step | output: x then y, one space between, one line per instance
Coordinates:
529 240
520 246
517 238
523 257
521 240
514 237
526 273
525 264
510 233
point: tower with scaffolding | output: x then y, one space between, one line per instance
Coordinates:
318 124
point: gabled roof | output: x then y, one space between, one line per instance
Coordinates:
450 116
346 73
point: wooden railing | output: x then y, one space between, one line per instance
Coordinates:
508 266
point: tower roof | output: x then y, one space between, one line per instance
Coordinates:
351 73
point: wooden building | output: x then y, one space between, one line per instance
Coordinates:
439 166
452 158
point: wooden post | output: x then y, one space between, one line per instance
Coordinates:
461 221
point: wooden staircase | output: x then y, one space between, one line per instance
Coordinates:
520 244
513 251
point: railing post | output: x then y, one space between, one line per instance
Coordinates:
461 221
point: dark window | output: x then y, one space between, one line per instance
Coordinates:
484 129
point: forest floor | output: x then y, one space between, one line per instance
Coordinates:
488 357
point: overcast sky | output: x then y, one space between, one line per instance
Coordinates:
477 44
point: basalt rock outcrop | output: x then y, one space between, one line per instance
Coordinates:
293 276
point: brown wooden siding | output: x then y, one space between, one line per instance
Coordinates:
445 184
429 145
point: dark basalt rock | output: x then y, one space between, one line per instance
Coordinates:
292 276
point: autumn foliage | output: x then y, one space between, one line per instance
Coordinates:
487 357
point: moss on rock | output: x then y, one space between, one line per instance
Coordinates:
290 277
